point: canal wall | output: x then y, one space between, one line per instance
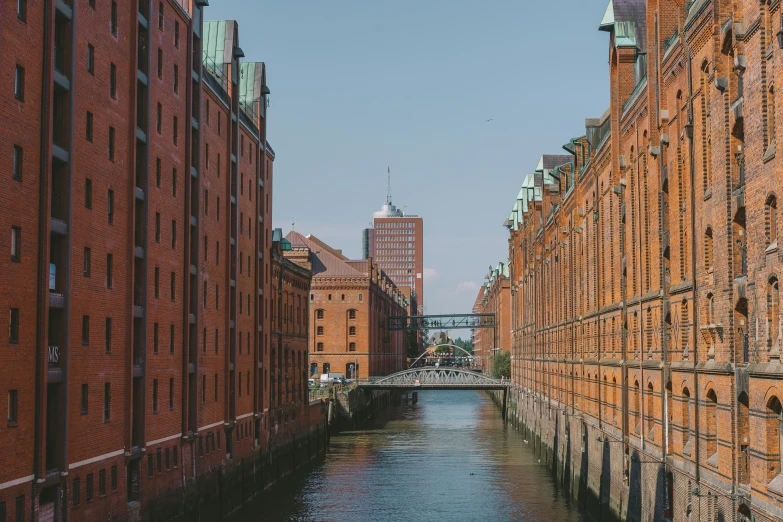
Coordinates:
610 481
354 407
225 489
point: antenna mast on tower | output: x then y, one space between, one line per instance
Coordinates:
388 186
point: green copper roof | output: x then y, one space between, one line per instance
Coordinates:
218 41
608 19
251 80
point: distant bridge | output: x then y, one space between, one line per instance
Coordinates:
430 378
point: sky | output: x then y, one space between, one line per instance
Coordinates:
361 86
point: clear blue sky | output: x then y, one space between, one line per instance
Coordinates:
360 85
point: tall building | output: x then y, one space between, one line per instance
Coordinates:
350 303
396 244
137 200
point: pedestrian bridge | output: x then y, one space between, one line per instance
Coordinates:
431 378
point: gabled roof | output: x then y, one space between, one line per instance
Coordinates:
326 262
627 19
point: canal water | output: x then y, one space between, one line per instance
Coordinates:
447 458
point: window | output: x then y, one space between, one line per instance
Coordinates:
204 389
113 80
106 401
686 419
173 286
217 297
352 347
320 347
111 143
174 454
217 213
21 9
88 193
711 429
171 393
771 115
174 182
171 339
102 482
217 251
157 172
155 338
157 227
114 478
85 330
157 282
175 130
19 83
110 206
87 261
771 220
13 406
150 465
168 458
219 120
352 330
351 314
773 315
159 121
16 244
320 330
206 111
77 492
108 335
84 399
206 202
154 395
360 298
160 63
13 326
176 78
240 384
114 18
89 126
773 434
176 34
88 493
173 234
18 162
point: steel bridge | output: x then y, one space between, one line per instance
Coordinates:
429 378
444 322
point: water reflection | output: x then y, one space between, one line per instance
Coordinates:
449 457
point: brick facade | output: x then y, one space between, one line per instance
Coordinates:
350 303
645 269
494 298
137 275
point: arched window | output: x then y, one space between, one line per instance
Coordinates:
743 431
650 411
352 330
711 428
320 330
774 425
636 408
773 315
709 310
320 347
614 399
708 249
606 397
352 347
685 409
351 314
319 314
771 220
771 113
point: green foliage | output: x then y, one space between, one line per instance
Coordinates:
501 365
443 349
465 345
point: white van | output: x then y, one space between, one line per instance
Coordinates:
329 378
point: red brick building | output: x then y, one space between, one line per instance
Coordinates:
645 273
396 243
494 298
350 303
137 207
288 370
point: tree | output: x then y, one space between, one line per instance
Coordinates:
443 349
501 365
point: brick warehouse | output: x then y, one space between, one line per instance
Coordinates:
138 200
494 297
645 269
350 303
